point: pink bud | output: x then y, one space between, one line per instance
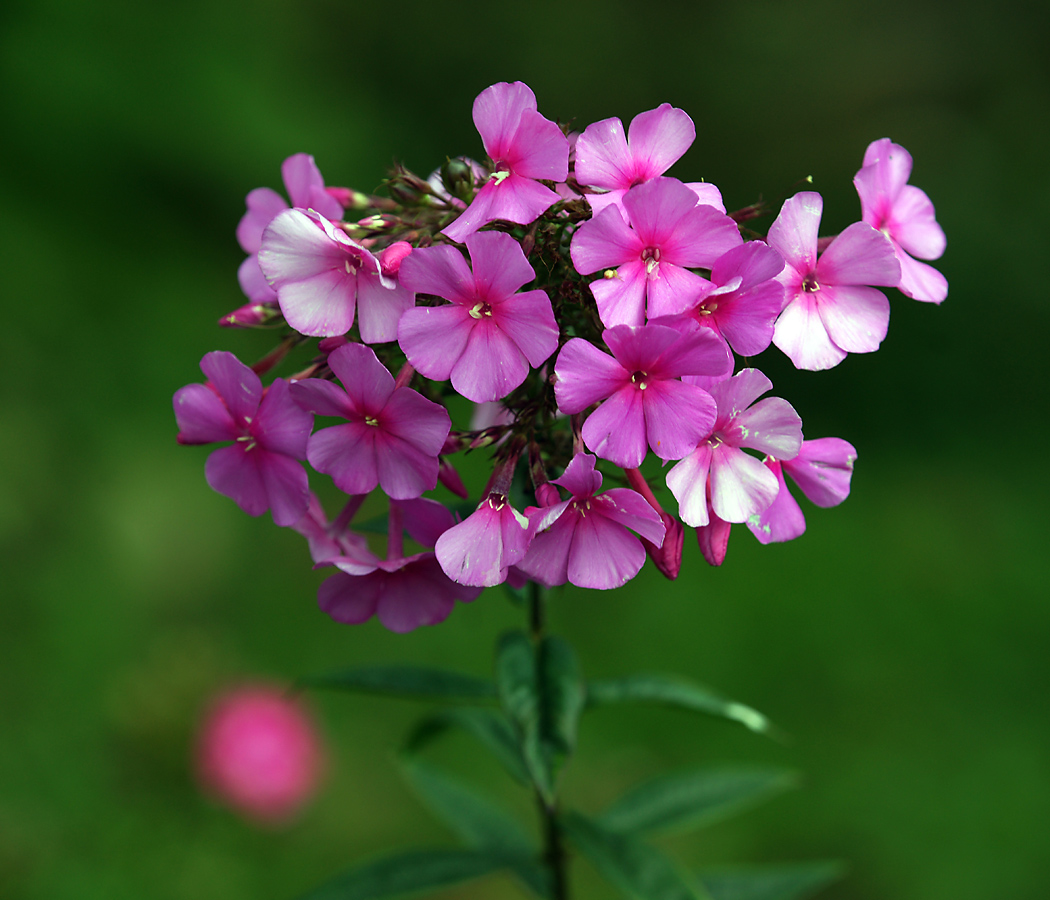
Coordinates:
668 556
449 477
258 751
250 315
547 494
390 258
714 540
328 344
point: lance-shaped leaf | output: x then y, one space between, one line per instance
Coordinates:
407 873
478 822
790 882
405 681
517 682
670 690
694 798
562 694
490 727
637 870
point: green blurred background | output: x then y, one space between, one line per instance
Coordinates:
901 642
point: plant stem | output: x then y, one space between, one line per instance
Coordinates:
554 855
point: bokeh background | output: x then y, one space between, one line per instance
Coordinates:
901 643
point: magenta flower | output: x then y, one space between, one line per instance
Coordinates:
746 298
822 469
393 436
259 752
905 215
587 539
665 233
740 486
830 310
403 592
645 402
321 276
487 338
524 148
260 470
303 181
480 549
607 159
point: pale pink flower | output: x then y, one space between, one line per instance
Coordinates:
525 148
480 549
830 309
905 215
258 751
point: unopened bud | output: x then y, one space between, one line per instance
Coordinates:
390 259
449 477
251 315
458 179
349 199
547 494
714 540
668 556
328 344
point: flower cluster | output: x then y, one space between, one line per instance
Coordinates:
594 310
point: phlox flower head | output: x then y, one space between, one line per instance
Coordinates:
259 751
905 215
403 592
305 186
718 475
651 244
646 402
322 277
830 309
587 540
488 336
392 437
260 470
822 469
525 148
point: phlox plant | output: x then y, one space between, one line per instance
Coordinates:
596 312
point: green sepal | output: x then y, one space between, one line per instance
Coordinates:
693 798
786 882
478 822
490 727
408 872
671 690
405 681
637 870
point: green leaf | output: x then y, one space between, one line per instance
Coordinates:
491 728
407 873
562 692
517 684
790 882
637 870
694 798
405 681
670 690
478 822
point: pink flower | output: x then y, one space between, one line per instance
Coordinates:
393 436
322 276
587 539
524 148
259 471
480 549
403 592
645 402
740 485
487 338
746 298
830 310
259 752
905 215
822 469
605 158
305 186
665 234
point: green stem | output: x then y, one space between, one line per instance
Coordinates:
554 855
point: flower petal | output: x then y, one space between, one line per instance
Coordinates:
602 158
499 264
491 365
585 375
497 113
794 233
528 320
687 480
202 417
859 255
856 318
801 335
616 430
240 388
823 469
441 271
347 453
603 555
782 520
658 138
434 337
740 485
281 425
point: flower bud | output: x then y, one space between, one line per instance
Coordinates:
251 315
458 179
668 556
